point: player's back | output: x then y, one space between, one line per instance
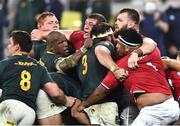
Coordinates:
90 71
21 77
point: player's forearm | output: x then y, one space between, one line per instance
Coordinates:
60 99
99 93
67 33
148 46
77 55
171 64
56 94
62 64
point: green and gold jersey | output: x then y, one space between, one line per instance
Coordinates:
90 71
21 77
48 60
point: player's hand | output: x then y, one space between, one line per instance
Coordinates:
132 61
37 34
70 101
121 74
88 43
78 113
81 107
75 108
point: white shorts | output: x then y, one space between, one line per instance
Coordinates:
129 114
45 107
15 112
103 114
160 114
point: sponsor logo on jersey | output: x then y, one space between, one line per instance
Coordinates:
25 63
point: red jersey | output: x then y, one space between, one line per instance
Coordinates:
148 77
77 39
174 80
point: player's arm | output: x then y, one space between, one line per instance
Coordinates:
62 64
104 57
38 34
57 95
67 33
98 94
51 88
171 64
147 47
108 83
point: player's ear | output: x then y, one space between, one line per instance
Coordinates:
131 24
17 47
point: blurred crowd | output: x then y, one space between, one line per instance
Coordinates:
162 25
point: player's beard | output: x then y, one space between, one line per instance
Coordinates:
122 28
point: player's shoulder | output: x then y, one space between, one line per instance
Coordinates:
5 62
77 33
106 44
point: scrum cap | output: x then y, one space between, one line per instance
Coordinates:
130 37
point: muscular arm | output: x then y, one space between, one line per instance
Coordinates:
57 95
104 56
62 64
98 94
67 33
171 64
38 34
147 47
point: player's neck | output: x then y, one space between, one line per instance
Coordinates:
20 53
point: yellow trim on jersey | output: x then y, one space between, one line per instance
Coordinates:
50 52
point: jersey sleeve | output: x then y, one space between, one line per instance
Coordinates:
77 39
110 82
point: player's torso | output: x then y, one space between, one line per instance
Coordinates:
21 79
90 71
